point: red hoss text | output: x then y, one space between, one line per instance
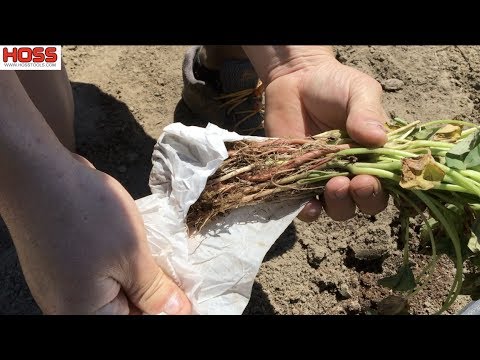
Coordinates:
26 54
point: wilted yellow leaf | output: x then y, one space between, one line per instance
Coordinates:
420 173
448 133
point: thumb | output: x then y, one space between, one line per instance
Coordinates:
366 116
152 291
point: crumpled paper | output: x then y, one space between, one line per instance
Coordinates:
216 267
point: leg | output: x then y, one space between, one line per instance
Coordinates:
51 93
221 87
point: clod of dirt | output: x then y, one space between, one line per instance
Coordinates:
315 254
393 84
369 254
329 280
353 307
372 242
393 305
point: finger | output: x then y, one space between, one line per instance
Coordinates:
338 203
311 211
366 116
151 290
368 194
118 306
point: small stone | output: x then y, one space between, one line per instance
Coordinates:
315 254
476 86
393 84
156 94
122 169
344 291
75 62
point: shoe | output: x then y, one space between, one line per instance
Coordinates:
231 98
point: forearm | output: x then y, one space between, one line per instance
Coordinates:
32 160
271 61
26 140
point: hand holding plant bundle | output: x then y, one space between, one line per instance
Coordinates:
432 170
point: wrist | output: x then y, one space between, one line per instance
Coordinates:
271 62
36 171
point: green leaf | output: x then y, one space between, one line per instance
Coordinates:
455 162
457 155
426 133
473 157
403 280
473 243
396 123
400 121
464 146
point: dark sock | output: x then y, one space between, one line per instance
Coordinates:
210 77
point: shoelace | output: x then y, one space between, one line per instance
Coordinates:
232 100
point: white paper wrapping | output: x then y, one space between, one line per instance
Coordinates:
217 267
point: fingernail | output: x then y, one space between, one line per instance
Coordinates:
365 192
173 305
376 126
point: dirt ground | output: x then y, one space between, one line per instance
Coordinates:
125 96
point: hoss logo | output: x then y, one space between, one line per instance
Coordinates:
27 54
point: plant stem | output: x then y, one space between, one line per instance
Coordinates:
461 180
431 264
456 122
379 151
432 204
392 165
403 128
375 172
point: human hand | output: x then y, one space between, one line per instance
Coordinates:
83 250
307 92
